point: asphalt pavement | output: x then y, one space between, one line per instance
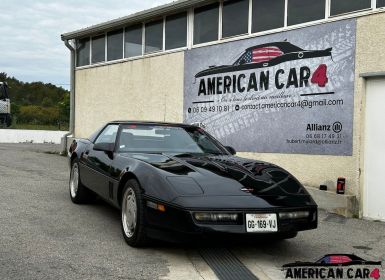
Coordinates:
43 235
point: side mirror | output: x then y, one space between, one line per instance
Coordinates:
231 150
104 147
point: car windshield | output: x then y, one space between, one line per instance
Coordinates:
166 139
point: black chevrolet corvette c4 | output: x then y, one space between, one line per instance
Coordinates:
177 180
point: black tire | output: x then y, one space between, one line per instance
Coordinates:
78 192
133 224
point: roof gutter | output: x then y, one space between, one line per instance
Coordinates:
72 98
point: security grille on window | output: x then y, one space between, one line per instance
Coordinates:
133 41
343 6
98 49
235 18
268 14
154 36
206 24
115 45
176 31
300 11
83 52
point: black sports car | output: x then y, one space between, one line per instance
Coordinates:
265 55
175 178
334 260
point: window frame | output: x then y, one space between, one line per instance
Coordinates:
141 25
222 3
114 31
284 20
77 53
187 30
91 48
162 21
305 22
191 26
373 6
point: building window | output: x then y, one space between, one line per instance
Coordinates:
268 14
133 41
115 45
342 6
98 49
154 36
235 18
206 23
380 3
83 52
300 11
176 31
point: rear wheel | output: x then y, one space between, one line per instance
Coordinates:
132 218
78 192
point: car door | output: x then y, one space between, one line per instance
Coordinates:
98 163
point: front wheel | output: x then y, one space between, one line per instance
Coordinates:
132 218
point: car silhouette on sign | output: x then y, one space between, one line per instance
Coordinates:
265 55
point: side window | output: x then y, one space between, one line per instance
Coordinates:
108 135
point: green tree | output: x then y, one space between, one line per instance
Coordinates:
37 102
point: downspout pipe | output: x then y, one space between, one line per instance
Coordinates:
72 98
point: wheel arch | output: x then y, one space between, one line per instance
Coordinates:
127 176
73 157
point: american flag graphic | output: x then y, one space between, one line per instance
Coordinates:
338 259
262 54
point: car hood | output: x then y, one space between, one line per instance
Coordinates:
222 176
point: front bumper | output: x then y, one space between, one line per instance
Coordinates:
179 220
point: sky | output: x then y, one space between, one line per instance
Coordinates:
30 45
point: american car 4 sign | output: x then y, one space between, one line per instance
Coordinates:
291 92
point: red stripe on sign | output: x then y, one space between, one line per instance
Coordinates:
339 259
269 49
266 54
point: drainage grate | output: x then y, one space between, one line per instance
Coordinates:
225 265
